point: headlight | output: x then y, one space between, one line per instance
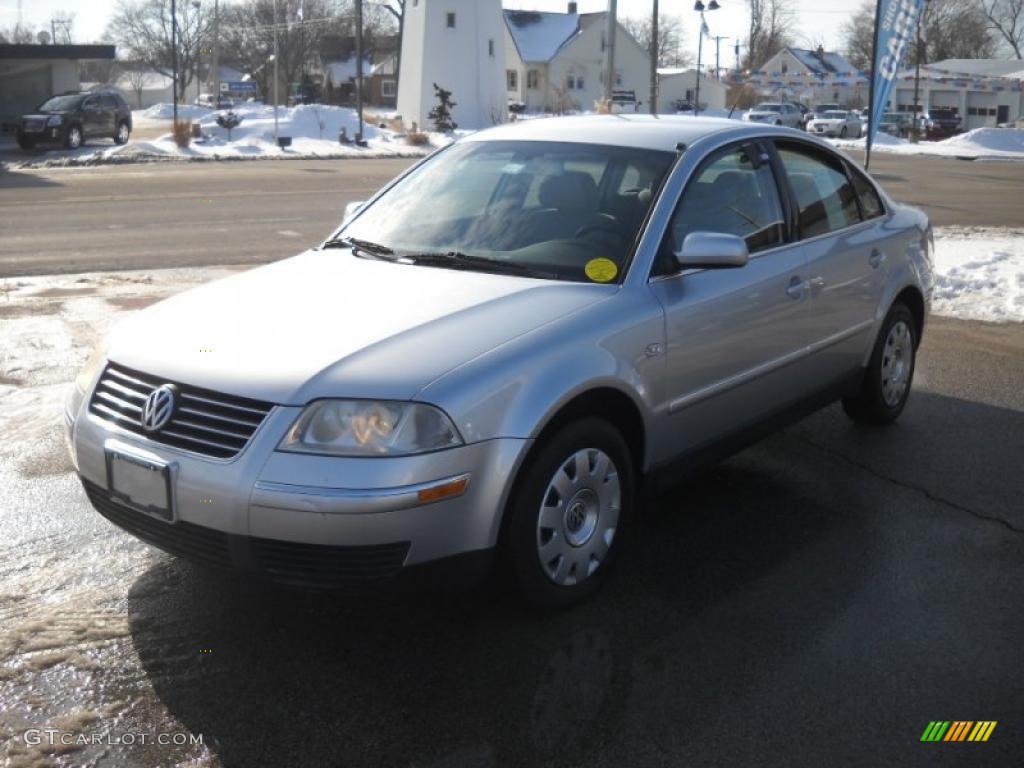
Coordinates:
91 368
55 120
370 428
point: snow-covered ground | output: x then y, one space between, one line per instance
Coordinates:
979 144
979 274
313 129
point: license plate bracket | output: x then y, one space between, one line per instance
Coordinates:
140 483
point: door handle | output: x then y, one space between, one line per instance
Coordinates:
797 288
816 284
876 258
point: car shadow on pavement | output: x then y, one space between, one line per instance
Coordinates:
765 612
14 180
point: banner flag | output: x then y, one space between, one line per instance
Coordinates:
895 27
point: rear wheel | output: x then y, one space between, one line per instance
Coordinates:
74 137
122 133
566 517
26 142
890 373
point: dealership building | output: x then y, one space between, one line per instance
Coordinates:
30 74
985 92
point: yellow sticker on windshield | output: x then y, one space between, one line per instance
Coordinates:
601 270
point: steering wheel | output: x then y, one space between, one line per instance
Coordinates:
611 227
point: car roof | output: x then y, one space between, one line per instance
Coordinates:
634 130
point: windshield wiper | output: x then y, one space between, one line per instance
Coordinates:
366 246
457 260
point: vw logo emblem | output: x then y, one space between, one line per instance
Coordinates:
158 408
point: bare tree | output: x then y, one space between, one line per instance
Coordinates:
954 29
670 38
1007 19
20 34
142 30
136 79
397 9
770 22
859 36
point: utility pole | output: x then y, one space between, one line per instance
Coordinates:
654 60
216 54
718 61
609 74
276 78
359 70
915 133
174 58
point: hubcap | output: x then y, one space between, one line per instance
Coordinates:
122 132
578 516
74 138
897 363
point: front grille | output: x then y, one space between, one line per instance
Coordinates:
206 422
193 542
327 566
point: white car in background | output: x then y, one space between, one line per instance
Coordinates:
775 114
836 122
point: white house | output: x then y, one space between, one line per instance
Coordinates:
555 62
456 44
143 88
985 92
678 86
810 76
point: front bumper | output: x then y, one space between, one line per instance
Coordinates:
306 519
53 134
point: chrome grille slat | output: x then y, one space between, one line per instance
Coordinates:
209 423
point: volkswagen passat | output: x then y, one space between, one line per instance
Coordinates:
493 352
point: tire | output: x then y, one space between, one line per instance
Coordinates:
778 122
74 138
566 514
842 132
122 133
890 372
26 142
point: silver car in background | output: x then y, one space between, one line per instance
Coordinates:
492 354
775 114
838 123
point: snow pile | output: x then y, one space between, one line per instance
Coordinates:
979 274
318 122
166 112
979 144
990 139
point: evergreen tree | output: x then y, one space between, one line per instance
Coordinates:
442 113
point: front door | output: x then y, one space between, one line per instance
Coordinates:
735 336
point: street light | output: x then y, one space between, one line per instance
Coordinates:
699 7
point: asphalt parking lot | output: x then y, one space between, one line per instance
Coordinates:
815 600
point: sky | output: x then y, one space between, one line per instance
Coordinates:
819 20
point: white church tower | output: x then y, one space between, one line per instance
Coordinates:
460 45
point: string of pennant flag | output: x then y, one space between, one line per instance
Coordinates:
860 79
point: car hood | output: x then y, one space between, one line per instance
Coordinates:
755 113
329 324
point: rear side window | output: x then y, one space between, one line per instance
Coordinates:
729 194
870 204
824 195
109 101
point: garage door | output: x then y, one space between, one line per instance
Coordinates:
950 99
22 89
981 110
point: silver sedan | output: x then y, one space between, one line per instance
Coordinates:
493 353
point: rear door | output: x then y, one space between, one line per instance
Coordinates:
735 337
848 255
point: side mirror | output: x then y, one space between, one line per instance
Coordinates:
352 209
712 250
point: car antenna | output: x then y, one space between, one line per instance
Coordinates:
681 147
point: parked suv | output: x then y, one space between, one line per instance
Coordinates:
72 118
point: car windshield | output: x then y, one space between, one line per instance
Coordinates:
890 117
548 209
60 103
768 108
833 114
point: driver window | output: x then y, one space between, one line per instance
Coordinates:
731 196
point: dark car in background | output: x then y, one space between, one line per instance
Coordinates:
72 118
943 122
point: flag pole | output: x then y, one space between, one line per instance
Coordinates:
872 117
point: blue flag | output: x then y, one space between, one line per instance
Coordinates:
895 27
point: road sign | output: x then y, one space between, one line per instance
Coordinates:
237 86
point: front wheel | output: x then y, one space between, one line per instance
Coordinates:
571 504
122 133
26 142
74 137
890 372
842 133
